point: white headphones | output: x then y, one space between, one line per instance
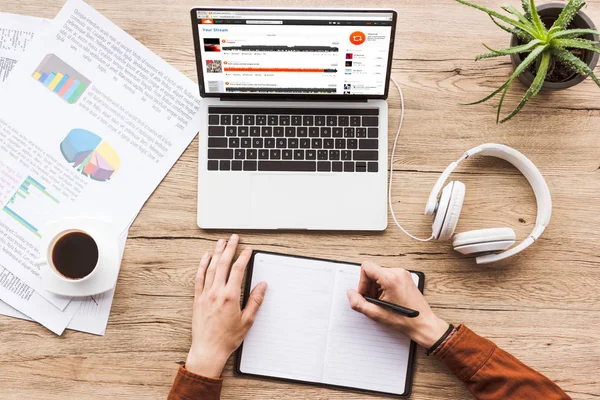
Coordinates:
447 209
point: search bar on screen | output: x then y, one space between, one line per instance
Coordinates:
263 22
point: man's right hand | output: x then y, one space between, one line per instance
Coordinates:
395 285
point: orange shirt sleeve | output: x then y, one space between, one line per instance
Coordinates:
189 386
490 373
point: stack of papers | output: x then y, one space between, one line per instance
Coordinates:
90 123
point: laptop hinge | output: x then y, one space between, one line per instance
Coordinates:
297 99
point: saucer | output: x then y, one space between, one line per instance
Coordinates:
104 278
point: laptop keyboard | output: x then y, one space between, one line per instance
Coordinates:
287 139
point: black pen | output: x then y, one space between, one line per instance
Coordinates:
406 312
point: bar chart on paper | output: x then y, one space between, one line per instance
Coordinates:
90 154
61 78
30 205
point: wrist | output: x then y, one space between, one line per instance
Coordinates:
429 331
205 364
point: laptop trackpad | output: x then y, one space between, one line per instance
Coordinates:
290 201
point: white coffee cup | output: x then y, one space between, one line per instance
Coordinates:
64 274
73 255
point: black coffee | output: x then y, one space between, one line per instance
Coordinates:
75 255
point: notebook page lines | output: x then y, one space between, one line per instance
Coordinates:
289 334
360 352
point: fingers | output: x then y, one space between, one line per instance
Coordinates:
237 270
365 283
201 274
214 262
369 275
373 271
358 303
254 302
225 260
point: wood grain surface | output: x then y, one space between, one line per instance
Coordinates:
543 305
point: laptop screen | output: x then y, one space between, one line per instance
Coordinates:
292 52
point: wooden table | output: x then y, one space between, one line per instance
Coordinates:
543 305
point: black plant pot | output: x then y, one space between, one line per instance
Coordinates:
548 14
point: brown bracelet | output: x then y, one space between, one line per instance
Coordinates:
447 335
441 346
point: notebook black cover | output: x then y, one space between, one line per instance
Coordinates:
411 355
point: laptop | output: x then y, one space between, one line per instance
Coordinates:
294 127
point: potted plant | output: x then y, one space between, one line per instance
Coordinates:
553 46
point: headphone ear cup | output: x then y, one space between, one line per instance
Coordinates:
448 212
484 240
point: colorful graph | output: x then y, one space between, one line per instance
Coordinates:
90 154
61 78
30 205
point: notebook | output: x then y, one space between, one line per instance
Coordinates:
305 330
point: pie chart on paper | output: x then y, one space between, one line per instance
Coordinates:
90 154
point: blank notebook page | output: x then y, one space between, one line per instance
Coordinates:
305 330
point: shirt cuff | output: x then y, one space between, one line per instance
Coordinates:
465 353
189 386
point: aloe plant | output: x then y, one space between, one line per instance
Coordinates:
544 47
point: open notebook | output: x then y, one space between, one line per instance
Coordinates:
306 331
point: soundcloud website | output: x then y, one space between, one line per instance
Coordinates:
294 53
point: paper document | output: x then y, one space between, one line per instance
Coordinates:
26 300
13 245
91 315
16 32
90 123
7 310
305 329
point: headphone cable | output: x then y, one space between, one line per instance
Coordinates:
392 165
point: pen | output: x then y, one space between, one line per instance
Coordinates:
406 312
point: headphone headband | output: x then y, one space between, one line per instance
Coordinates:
531 173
